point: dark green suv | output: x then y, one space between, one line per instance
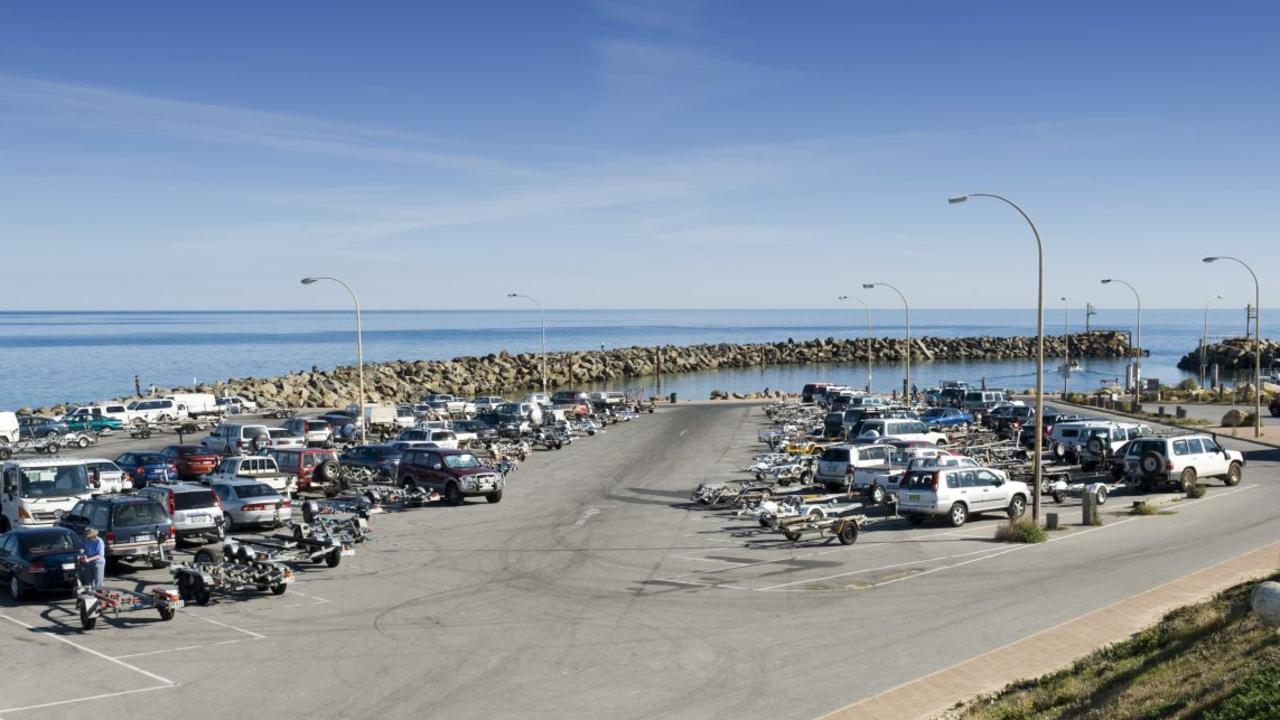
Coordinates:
134 528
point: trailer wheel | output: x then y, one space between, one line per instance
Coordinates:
848 533
1057 497
764 522
1102 494
83 442
87 621
184 588
877 495
333 558
203 556
166 613
791 535
279 589
5 453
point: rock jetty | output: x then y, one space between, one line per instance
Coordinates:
1232 354
504 373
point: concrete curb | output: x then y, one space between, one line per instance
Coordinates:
1056 647
1152 421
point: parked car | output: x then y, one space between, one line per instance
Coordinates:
237 438
1181 460
285 438
455 474
531 412
946 417
91 423
34 491
40 426
983 400
39 559
262 469
237 404
194 509
157 410
144 468
248 503
133 528
474 430
1027 437
959 493
488 403
10 430
570 397
900 428
837 464
311 468
191 461
1099 444
107 477
381 459
442 438
100 410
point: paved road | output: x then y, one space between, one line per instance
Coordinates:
1211 413
596 590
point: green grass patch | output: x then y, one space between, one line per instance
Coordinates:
1196 491
1143 508
1213 660
1024 530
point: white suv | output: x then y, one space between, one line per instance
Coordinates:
1097 444
901 429
838 463
1181 460
957 493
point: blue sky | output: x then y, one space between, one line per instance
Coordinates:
601 153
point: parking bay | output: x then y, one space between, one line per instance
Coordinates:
595 589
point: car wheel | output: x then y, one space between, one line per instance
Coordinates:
333 558
452 494
1151 464
166 613
957 515
157 563
15 588
83 442
279 589
227 524
877 495
1233 474
1187 480
1017 507
494 497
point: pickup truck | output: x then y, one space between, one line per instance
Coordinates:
254 467
450 405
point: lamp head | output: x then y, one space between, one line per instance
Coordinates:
308 280
843 297
868 286
512 295
1106 281
1211 259
956 199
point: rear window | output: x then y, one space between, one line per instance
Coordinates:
45 543
138 514
193 499
835 455
920 481
253 491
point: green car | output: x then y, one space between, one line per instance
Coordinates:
91 423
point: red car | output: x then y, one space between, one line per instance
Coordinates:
192 461
304 463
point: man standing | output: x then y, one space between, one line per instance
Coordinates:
95 557
137 385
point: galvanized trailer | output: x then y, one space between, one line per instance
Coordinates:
286 549
198 580
91 603
843 527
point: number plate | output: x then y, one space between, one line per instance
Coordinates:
199 518
68 566
142 538
913 497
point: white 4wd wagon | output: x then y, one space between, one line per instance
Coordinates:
1181 460
957 493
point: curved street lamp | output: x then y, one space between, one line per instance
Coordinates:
906 357
868 309
1035 496
1257 343
359 346
1137 350
544 335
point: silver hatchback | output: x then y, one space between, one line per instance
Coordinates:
249 503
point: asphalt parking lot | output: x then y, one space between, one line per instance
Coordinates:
596 589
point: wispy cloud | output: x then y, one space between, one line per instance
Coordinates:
112 111
671 15
645 79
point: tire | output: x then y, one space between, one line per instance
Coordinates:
453 495
1151 464
15 588
184 588
1102 495
334 558
878 495
5 453
157 563
1017 507
1187 480
203 556
87 621
297 532
957 515
817 514
227 523
784 482
848 533
763 523
1117 472
83 442
1058 497
329 471
1094 445
166 613
201 594
1232 477
791 535
494 497
279 589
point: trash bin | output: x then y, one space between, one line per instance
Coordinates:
673 398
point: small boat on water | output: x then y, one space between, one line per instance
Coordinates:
1069 367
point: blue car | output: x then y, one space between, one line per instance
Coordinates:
145 468
945 417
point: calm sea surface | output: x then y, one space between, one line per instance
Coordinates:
49 357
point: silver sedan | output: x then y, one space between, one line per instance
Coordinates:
249 503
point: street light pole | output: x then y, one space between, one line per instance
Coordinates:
1204 338
544 335
1137 351
906 357
1066 343
1257 343
359 349
1039 471
868 309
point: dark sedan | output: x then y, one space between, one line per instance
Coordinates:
39 558
383 460
144 468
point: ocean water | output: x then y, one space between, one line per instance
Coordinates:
50 357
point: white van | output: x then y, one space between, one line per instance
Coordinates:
838 463
8 428
197 404
158 410
235 439
112 410
983 400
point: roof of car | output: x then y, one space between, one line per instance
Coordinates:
240 482
176 487
121 499
41 530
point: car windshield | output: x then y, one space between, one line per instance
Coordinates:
256 490
465 460
46 543
143 513
189 450
53 481
149 458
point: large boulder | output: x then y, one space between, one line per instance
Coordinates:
1266 602
1235 417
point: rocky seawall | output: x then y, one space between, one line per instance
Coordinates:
504 373
1232 354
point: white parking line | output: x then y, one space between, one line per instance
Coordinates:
887 567
180 649
165 682
250 633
